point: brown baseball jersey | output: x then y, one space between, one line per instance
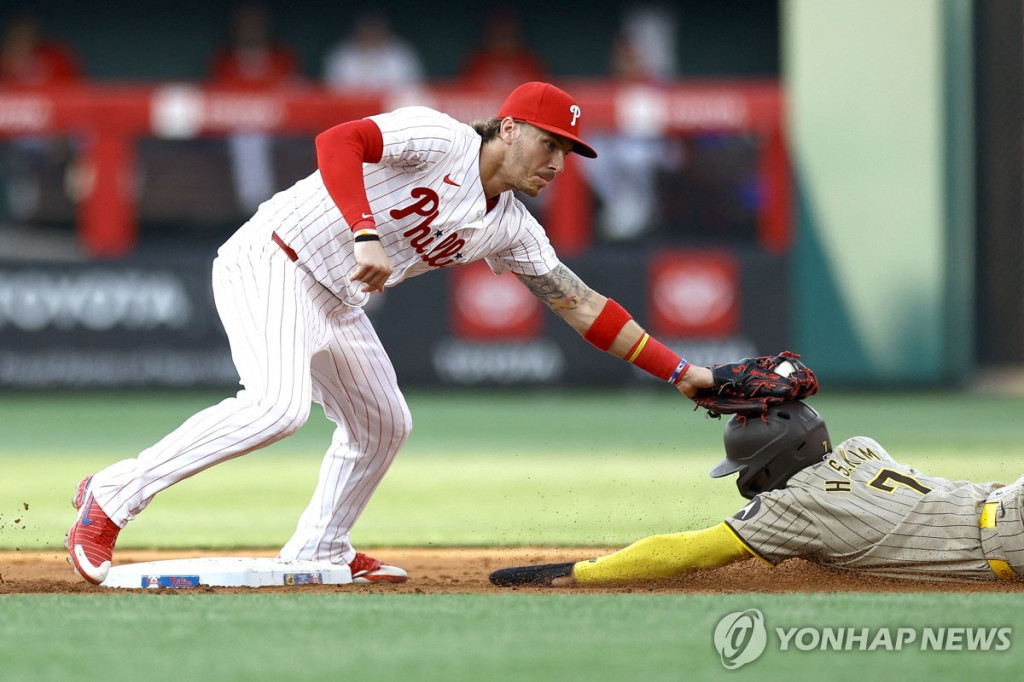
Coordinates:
860 509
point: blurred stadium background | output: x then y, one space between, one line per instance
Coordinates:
839 178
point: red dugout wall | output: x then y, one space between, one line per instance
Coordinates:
109 120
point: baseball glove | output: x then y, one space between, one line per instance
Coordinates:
751 385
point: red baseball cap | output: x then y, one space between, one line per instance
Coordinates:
549 108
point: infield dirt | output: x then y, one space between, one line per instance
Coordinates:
465 570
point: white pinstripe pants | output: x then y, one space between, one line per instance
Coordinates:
293 343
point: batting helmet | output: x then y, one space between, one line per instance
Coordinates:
767 452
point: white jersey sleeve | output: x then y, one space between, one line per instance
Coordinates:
527 249
432 141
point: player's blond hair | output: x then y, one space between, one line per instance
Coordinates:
488 129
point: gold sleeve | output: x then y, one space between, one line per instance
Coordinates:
664 556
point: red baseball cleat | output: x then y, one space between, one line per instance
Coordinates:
369 570
91 538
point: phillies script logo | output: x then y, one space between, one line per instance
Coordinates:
421 238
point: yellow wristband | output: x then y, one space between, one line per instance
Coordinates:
639 347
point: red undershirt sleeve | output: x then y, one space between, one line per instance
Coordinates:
340 154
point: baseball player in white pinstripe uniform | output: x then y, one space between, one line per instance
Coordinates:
395 195
850 507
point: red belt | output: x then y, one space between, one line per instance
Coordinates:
284 247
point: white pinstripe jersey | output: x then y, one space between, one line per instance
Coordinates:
428 200
860 509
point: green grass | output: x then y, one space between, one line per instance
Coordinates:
481 468
561 636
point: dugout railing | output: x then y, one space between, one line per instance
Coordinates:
107 121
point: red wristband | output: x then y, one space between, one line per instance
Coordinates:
655 358
609 322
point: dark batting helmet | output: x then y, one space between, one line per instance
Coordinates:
767 452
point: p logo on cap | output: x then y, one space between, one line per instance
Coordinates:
548 108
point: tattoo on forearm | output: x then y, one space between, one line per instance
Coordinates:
560 289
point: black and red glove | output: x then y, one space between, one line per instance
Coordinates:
751 385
